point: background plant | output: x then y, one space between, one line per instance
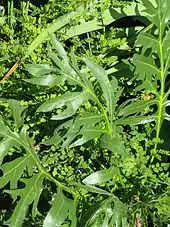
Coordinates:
90 105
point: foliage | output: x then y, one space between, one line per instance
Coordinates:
105 163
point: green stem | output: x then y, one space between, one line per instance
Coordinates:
104 113
35 157
86 87
31 151
161 97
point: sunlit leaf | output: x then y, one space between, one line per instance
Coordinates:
93 189
17 112
136 120
135 107
72 100
148 41
110 212
5 146
47 80
145 67
113 144
59 23
108 16
12 171
84 126
60 211
99 73
33 187
38 69
100 176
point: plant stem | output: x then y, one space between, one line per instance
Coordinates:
43 171
86 87
161 97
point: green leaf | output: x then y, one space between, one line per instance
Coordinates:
59 23
72 100
6 132
136 120
17 112
38 69
84 127
135 107
163 205
27 142
99 73
56 139
60 211
100 176
12 171
149 85
5 146
152 64
72 212
113 144
148 41
151 10
47 80
2 21
119 217
87 134
109 212
88 215
33 188
65 69
165 44
57 45
108 16
145 67
93 189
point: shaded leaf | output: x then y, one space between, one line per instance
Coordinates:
109 212
59 23
56 139
17 111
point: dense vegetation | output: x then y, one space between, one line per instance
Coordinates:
84 125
